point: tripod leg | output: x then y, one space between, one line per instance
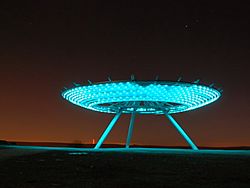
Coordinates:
181 131
130 130
107 131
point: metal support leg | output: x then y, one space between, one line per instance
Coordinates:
107 131
181 131
130 130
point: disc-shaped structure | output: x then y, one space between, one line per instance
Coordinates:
144 97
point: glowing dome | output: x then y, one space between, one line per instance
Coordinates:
144 97
141 97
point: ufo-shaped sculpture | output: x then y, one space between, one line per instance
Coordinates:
141 97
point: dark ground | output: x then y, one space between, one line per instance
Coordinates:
44 169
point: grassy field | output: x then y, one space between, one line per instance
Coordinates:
43 169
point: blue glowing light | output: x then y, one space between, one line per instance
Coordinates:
141 97
144 97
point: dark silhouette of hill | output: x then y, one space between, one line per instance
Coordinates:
81 145
4 142
34 168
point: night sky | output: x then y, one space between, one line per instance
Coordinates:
47 45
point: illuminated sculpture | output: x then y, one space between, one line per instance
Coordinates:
141 97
